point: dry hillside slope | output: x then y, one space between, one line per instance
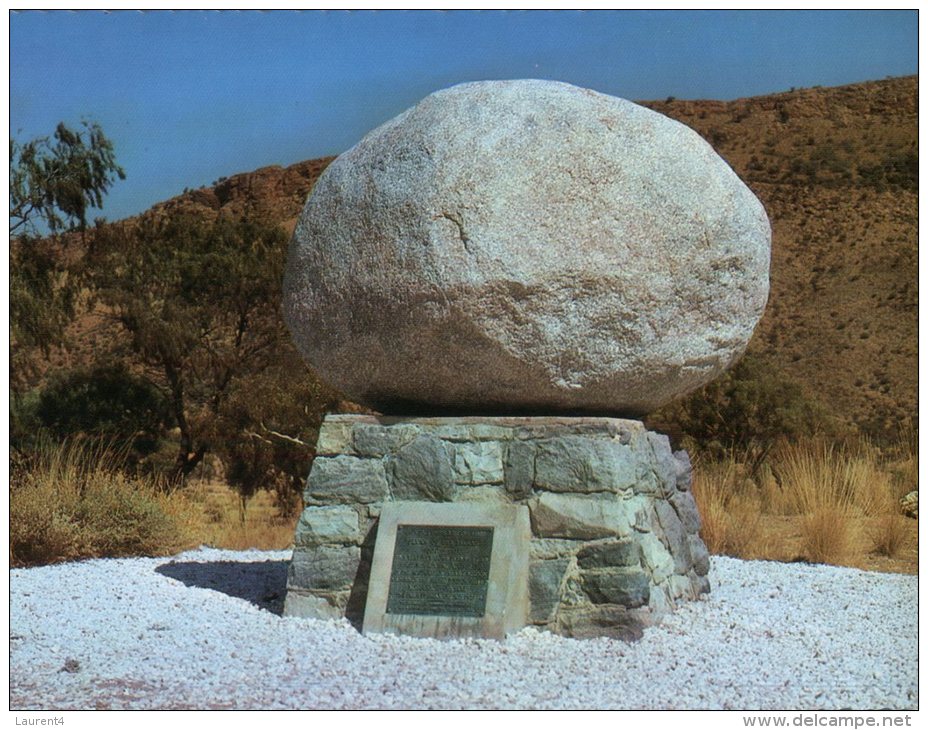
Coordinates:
837 171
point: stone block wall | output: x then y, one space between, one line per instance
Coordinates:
615 540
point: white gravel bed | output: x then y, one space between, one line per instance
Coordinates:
201 630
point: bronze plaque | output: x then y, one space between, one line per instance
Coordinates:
440 570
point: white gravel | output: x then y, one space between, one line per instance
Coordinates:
200 630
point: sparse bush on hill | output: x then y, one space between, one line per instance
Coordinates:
898 169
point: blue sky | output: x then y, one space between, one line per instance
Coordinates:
188 97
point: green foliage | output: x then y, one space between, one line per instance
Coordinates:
105 402
25 427
55 182
200 302
267 428
745 412
834 165
41 302
52 186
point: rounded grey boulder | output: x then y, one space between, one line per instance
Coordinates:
526 247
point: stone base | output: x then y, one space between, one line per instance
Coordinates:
615 540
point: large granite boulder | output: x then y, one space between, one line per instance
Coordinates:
523 247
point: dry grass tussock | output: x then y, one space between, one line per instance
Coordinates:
843 504
888 534
75 501
729 508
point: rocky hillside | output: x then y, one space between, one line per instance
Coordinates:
274 194
837 169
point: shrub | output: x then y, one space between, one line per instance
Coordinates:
743 414
24 424
73 502
266 430
896 168
106 402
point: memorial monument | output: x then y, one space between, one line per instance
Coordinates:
513 271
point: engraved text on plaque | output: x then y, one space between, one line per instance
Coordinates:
440 570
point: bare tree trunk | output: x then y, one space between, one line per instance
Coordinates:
188 456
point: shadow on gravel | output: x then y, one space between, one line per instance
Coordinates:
263 584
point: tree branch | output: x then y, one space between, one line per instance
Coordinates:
278 435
